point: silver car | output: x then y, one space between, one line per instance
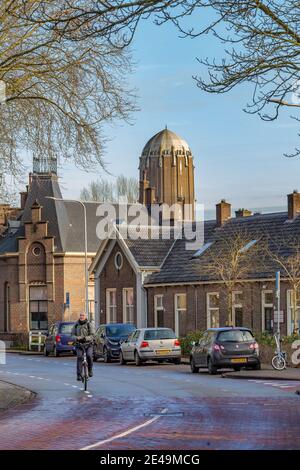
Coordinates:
151 344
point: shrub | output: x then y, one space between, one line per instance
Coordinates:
185 342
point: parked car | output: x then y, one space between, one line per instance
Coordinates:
155 344
108 339
59 339
225 348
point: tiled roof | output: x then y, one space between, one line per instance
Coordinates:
180 266
150 252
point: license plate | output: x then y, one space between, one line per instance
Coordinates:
70 343
240 359
162 352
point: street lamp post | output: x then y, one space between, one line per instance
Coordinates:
85 249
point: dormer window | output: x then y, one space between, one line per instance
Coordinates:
202 250
247 246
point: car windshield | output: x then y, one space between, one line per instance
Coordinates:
119 330
237 336
159 334
66 328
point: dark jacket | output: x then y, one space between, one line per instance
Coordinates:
86 329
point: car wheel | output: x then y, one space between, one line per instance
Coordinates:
194 368
237 368
106 356
137 359
55 352
257 367
212 370
74 353
122 360
46 353
177 361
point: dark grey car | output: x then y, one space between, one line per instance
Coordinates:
108 339
225 348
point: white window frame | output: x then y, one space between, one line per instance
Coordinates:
235 305
265 305
126 306
209 309
178 310
109 306
289 308
156 308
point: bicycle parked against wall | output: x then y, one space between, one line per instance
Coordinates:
279 360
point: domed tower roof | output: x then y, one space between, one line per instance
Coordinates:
164 143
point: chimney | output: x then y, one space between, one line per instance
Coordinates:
36 212
223 212
293 204
243 213
23 199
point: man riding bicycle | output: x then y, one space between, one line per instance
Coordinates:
84 332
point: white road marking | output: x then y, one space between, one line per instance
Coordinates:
125 433
287 386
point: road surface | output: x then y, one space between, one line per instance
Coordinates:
150 407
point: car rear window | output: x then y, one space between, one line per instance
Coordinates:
66 328
239 336
119 330
159 334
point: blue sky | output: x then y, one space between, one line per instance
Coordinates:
237 156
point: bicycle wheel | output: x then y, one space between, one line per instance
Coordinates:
278 362
85 376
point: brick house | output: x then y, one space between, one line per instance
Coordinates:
42 259
186 295
174 287
178 288
119 270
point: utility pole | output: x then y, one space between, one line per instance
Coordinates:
278 301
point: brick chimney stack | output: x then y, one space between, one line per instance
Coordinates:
23 195
223 212
293 204
36 212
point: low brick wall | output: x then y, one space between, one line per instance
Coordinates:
15 340
267 352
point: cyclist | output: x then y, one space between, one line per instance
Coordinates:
84 332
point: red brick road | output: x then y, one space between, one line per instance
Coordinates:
203 412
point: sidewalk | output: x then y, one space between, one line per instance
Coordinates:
13 395
266 373
24 352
